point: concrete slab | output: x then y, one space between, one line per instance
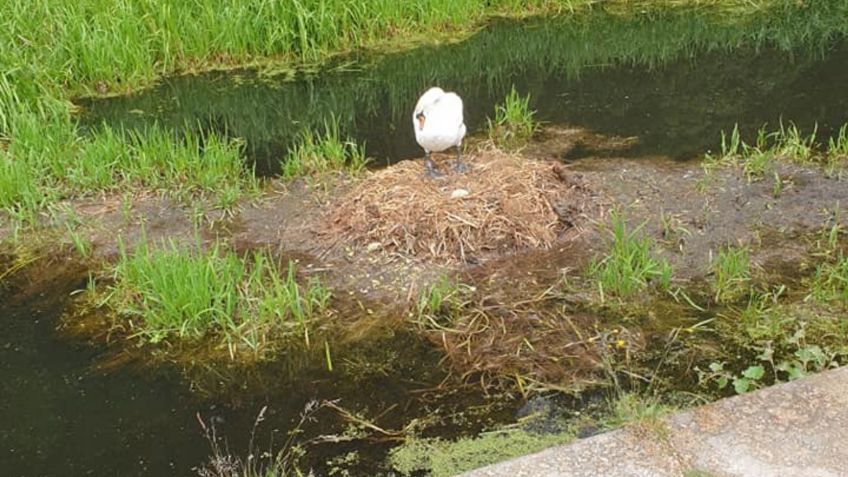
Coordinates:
797 429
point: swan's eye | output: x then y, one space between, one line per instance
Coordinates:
419 116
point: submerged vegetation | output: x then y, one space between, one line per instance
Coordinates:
782 341
179 292
535 432
440 458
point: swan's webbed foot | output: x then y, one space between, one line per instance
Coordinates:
430 171
458 166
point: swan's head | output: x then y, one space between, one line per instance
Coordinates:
420 117
424 102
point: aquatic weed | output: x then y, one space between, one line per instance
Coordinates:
786 143
187 293
731 270
630 265
319 153
830 282
514 124
442 458
439 303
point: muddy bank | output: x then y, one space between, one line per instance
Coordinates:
519 294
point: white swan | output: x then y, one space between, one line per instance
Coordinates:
439 125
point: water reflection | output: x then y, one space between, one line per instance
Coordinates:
673 78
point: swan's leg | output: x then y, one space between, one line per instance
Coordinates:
428 164
458 165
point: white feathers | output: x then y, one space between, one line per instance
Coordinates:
438 120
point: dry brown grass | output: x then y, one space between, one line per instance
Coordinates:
504 204
537 343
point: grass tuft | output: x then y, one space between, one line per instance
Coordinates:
317 154
830 282
179 292
514 124
732 274
439 304
629 266
630 408
787 143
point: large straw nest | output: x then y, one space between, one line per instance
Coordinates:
503 204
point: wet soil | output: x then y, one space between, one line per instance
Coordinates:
690 215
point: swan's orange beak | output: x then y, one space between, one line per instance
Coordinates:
420 121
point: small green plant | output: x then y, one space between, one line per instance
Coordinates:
830 282
629 267
749 379
514 124
732 273
316 154
81 244
780 342
777 185
791 143
631 408
804 360
439 303
787 143
838 146
757 159
731 146
673 229
837 152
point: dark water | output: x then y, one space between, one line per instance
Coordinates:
60 418
674 81
61 414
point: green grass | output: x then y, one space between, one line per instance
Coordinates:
629 267
53 50
46 160
837 151
514 125
830 282
316 154
440 302
786 143
731 269
93 44
177 292
630 408
838 146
